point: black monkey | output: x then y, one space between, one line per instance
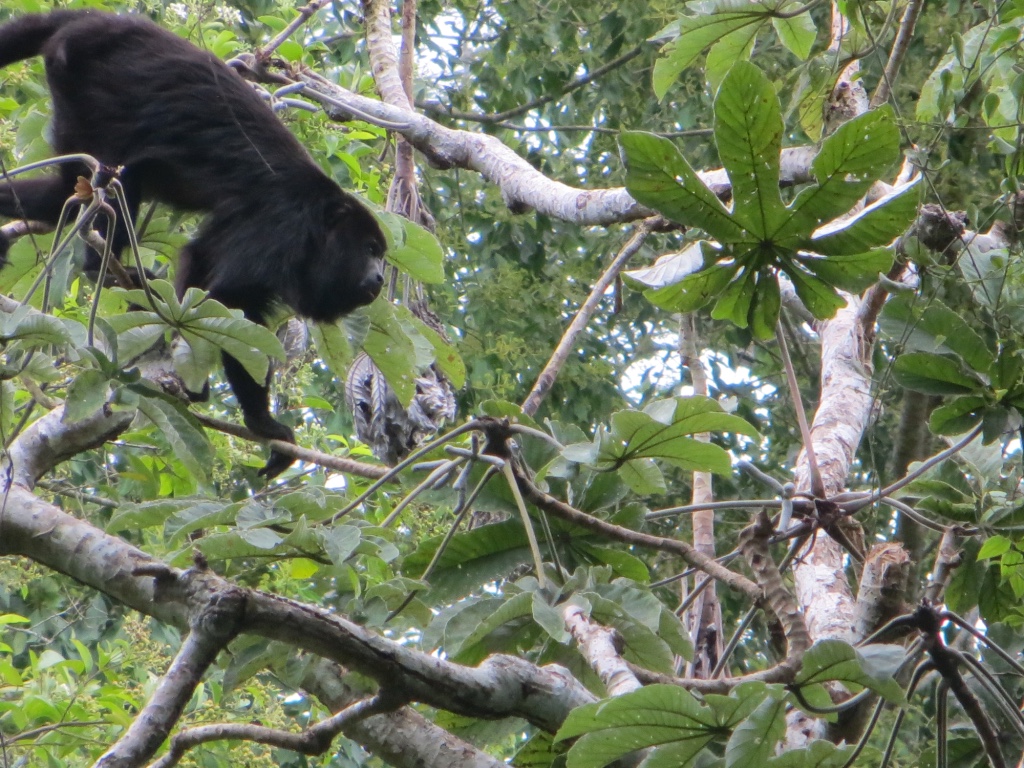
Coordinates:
190 132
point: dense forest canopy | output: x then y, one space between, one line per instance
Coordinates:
686 430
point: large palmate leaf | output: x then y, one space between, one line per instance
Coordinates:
812 239
206 325
665 431
749 722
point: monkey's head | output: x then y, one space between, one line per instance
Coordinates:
346 268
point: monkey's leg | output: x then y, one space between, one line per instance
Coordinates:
254 400
194 271
39 199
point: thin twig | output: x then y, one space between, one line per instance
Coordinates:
480 117
326 460
817 486
899 51
568 341
305 12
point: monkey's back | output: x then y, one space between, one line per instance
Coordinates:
130 93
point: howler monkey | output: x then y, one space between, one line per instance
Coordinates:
190 132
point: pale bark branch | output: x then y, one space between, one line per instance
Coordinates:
601 647
704 616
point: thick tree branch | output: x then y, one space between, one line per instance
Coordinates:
211 628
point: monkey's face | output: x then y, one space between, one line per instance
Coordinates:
369 284
348 269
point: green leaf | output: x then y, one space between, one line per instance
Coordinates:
201 319
797 33
736 46
735 302
817 754
654 715
517 607
643 477
957 417
748 133
549 618
697 33
446 357
753 740
333 346
877 224
819 297
657 176
249 343
933 374
471 558
86 394
852 273
764 315
180 428
937 329
669 268
420 256
693 292
849 162
32 327
392 350
661 431
194 361
835 660
643 646
622 563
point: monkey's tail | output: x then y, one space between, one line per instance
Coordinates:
25 37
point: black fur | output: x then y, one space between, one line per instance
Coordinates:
191 133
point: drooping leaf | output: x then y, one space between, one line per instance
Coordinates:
179 427
753 740
933 374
